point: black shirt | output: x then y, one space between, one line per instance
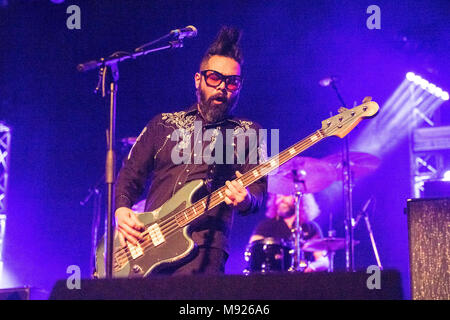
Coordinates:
166 136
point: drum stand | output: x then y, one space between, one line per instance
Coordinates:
331 253
298 264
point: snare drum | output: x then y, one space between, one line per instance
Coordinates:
268 255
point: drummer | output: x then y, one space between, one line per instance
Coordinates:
280 223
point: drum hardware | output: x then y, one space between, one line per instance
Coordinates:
349 167
361 164
298 231
365 213
314 174
308 175
268 255
329 244
298 176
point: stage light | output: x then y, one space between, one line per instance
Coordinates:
446 176
427 86
431 88
424 84
410 76
7 279
412 102
417 79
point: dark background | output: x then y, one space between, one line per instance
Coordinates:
58 123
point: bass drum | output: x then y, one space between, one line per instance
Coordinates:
268 255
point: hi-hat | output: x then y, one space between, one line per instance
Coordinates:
311 175
361 164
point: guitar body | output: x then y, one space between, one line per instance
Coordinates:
177 247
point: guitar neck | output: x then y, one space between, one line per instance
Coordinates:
217 197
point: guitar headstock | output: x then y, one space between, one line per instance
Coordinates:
344 122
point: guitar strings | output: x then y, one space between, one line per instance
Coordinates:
167 227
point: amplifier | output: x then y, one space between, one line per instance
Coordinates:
429 248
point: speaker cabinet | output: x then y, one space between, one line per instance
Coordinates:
429 248
283 286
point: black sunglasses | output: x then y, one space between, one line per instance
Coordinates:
215 79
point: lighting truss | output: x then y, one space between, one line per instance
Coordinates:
5 142
427 140
410 107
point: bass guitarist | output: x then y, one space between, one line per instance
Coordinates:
218 83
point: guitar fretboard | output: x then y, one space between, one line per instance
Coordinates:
189 214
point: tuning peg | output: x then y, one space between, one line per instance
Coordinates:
367 99
342 109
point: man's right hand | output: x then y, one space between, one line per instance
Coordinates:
128 226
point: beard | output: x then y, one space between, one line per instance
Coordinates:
215 110
286 213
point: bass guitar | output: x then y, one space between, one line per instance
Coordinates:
166 239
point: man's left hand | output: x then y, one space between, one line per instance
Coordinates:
236 195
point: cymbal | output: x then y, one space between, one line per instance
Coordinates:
314 175
325 244
361 164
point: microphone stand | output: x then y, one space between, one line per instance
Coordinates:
347 192
112 63
372 240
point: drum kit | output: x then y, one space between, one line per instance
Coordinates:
299 176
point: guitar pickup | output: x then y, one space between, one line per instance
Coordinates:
156 235
135 250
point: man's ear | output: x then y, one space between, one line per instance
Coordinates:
197 79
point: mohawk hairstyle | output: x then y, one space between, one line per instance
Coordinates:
226 44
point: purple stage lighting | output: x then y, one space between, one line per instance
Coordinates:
426 85
5 141
413 101
446 176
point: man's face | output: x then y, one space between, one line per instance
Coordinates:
285 205
217 102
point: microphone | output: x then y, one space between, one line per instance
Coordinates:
363 211
186 32
325 82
